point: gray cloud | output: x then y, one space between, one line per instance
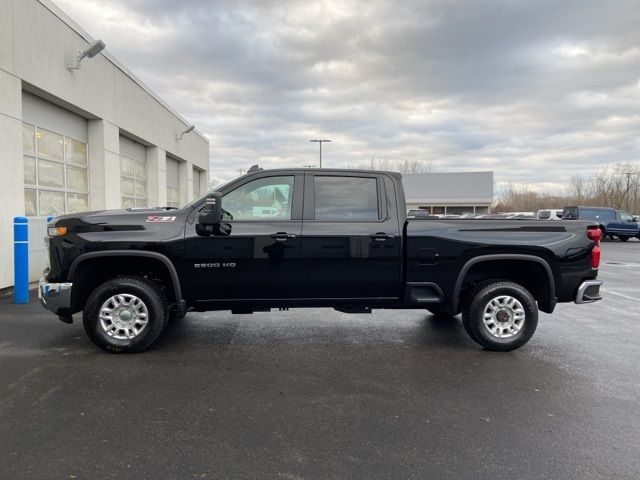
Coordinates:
533 90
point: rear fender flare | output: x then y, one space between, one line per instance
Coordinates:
455 300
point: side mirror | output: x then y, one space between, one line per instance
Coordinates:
211 214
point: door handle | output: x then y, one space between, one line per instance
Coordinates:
381 236
282 236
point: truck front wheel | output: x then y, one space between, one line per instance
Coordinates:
125 315
500 316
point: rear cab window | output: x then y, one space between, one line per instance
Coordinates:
570 212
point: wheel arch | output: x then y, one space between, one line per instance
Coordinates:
546 297
81 267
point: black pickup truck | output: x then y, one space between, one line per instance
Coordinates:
311 238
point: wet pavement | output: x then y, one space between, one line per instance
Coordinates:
317 394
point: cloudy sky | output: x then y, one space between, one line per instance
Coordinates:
534 90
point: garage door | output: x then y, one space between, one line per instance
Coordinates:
55 158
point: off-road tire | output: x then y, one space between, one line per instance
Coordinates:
474 310
150 294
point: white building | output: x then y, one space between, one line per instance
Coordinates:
85 139
453 192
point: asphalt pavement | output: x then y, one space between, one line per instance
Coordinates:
317 394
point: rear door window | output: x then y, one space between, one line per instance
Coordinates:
346 198
544 214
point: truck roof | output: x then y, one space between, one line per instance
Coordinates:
325 170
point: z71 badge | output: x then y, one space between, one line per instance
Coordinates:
159 219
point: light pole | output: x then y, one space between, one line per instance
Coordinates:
320 141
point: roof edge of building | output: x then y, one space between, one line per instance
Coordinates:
58 12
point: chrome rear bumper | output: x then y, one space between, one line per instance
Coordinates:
589 291
55 297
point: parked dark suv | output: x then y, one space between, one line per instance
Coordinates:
613 223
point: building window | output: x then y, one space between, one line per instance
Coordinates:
173 183
133 178
173 197
196 183
55 173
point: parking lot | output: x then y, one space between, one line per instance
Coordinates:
309 394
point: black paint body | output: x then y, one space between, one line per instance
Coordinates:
390 263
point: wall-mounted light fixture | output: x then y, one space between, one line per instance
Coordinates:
184 132
89 52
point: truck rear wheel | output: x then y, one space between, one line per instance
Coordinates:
624 238
125 315
500 315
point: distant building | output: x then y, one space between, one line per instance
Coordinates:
454 192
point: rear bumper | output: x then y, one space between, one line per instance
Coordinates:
55 297
589 291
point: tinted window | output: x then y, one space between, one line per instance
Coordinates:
346 198
262 199
592 213
544 214
625 217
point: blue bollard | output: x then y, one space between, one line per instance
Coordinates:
20 260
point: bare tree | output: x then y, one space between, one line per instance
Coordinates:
402 166
577 188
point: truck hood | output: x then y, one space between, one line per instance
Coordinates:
130 219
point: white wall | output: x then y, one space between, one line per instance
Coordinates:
11 180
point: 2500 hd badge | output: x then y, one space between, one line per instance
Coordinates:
215 265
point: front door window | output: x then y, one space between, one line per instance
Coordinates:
263 199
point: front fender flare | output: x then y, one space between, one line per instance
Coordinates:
175 279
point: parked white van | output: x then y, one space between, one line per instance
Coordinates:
549 214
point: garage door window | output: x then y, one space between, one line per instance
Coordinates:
196 183
55 173
133 176
173 183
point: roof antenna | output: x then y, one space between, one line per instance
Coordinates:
255 168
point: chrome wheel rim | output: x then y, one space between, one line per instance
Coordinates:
123 316
504 316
